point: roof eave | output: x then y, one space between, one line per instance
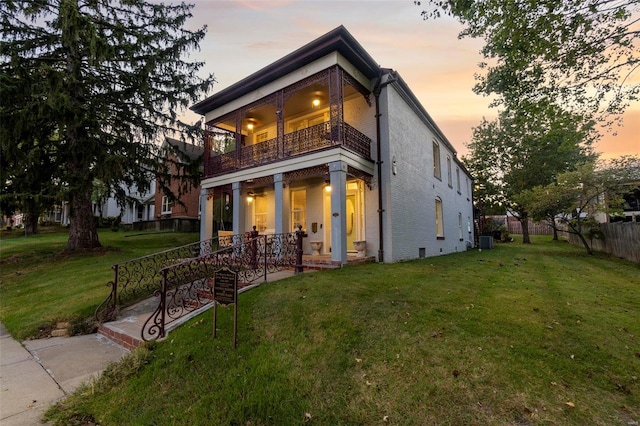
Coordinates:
339 40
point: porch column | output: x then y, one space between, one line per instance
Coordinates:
239 209
338 175
281 204
206 215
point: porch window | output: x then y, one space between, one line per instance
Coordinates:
436 160
261 213
439 219
298 208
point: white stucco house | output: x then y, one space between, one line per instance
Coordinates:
327 139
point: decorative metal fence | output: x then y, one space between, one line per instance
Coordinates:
140 278
187 286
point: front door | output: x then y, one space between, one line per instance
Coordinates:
354 220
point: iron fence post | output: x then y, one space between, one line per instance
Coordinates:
299 239
265 258
163 300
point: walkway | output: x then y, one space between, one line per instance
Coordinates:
36 375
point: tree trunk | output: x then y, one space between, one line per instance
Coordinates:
578 231
31 223
32 215
524 221
82 230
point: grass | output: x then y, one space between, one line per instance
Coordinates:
519 335
41 285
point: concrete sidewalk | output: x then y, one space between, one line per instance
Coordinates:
36 375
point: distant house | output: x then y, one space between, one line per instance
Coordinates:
178 152
140 206
326 139
631 205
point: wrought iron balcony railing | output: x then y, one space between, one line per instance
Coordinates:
301 142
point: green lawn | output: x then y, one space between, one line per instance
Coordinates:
519 335
40 285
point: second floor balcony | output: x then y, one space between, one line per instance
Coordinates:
300 142
295 121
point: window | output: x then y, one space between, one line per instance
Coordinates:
298 208
467 186
458 179
460 227
469 225
449 178
439 219
261 137
436 160
261 213
166 205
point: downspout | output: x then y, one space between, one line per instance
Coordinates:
376 92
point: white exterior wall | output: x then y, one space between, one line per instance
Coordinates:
412 191
129 213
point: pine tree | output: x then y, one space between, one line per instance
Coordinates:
110 78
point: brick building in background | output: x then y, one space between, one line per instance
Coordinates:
189 206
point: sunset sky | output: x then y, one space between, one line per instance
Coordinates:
243 36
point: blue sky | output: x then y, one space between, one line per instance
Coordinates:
246 35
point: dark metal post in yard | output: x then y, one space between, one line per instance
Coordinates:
300 236
254 247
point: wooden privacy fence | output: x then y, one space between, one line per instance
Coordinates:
621 239
535 228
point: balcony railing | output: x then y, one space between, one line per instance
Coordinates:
300 142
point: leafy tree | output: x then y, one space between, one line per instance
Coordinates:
523 149
27 165
541 54
109 77
577 53
578 197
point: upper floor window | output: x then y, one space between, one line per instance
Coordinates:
458 179
439 219
449 177
261 137
436 160
467 186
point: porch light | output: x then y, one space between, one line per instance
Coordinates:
250 126
250 197
327 188
315 102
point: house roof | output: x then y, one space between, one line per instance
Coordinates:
339 40
190 150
